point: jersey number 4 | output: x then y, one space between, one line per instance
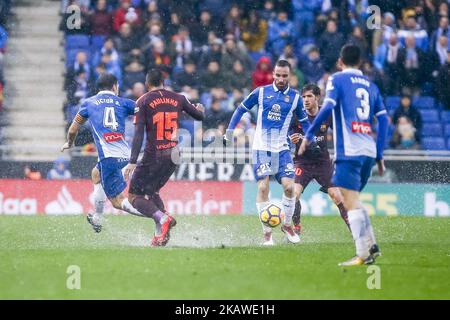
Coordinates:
363 111
109 119
166 125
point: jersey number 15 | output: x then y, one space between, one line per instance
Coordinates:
166 125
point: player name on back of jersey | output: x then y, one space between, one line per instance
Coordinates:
158 101
100 101
360 80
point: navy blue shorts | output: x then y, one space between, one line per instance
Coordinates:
111 176
353 174
278 164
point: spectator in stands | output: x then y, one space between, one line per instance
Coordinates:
443 30
80 66
216 116
214 53
187 77
126 13
268 13
181 48
413 59
134 73
31 172
151 12
137 91
152 36
254 32
330 44
203 27
158 57
407 110
358 39
404 136
132 56
237 77
126 40
110 50
383 35
441 49
312 67
173 27
232 53
304 16
3 39
389 61
443 83
101 20
233 21
263 74
59 170
280 33
212 77
412 29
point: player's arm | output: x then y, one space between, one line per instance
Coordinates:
140 119
77 122
245 106
196 111
383 123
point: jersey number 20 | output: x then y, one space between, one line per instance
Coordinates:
363 111
109 119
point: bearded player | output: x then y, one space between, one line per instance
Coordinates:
159 114
309 166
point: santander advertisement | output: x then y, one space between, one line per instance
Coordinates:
52 197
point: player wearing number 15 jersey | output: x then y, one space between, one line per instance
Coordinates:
354 101
159 114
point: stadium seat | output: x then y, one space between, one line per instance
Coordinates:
97 43
445 116
71 55
433 143
77 42
429 115
423 102
392 102
432 130
447 130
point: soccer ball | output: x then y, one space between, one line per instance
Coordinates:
272 215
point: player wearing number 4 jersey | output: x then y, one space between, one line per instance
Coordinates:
354 101
158 115
106 113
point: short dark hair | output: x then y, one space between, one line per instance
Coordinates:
106 81
351 55
311 87
283 63
154 77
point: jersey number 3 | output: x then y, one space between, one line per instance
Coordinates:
363 111
109 119
166 125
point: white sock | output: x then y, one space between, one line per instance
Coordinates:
357 220
259 207
99 202
126 206
369 230
289 208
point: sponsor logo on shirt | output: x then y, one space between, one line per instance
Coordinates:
112 136
361 127
275 113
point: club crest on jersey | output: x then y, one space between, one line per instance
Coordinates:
323 128
275 113
286 99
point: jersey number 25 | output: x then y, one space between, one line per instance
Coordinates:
363 111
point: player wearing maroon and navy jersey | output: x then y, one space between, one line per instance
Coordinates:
309 166
158 116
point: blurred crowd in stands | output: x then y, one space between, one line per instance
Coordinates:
5 6
216 51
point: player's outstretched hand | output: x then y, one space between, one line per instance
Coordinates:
381 167
227 138
129 170
200 107
65 146
303 147
295 138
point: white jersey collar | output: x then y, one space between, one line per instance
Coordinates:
276 89
353 70
106 92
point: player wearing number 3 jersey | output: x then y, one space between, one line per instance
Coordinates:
353 102
158 115
106 112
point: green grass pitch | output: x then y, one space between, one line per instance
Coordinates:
218 258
